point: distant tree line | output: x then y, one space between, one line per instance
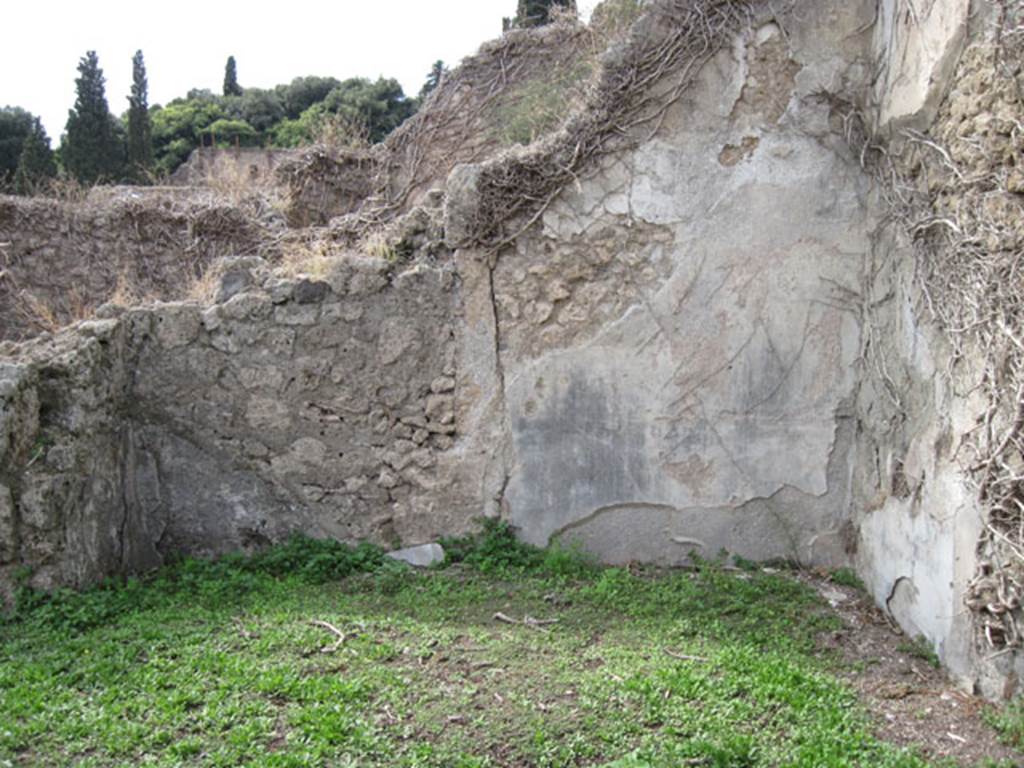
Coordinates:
148 142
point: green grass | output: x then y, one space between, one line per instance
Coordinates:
847 577
219 664
920 648
1009 723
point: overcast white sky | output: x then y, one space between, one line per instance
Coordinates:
186 43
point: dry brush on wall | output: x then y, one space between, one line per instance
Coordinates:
60 260
636 86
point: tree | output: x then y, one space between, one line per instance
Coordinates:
232 133
35 165
536 13
91 149
179 127
140 127
260 108
231 86
437 72
303 92
15 126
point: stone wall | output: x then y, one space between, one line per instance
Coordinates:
920 404
326 407
60 260
711 340
678 340
238 166
670 353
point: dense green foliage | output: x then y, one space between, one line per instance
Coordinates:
92 149
15 126
231 663
286 116
379 106
36 166
140 127
148 141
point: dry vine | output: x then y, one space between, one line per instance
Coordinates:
633 87
625 107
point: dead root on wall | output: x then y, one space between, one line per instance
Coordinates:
958 193
625 107
639 72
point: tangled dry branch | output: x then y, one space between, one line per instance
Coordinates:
637 85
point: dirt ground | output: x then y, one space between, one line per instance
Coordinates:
913 702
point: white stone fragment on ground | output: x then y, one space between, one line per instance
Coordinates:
421 556
834 596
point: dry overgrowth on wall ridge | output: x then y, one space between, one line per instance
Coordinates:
625 107
958 192
147 227
644 58
451 126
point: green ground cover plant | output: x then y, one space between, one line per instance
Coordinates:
314 654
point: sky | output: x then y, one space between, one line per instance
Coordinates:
186 44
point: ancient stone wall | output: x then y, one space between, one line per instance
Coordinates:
239 166
924 403
678 338
60 260
326 407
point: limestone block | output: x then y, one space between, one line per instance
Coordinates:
310 292
177 324
297 314
233 282
245 305
460 205
280 290
422 556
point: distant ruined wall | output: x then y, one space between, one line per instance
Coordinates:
59 260
209 166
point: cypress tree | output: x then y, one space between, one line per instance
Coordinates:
231 86
140 128
536 13
35 164
437 72
91 150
